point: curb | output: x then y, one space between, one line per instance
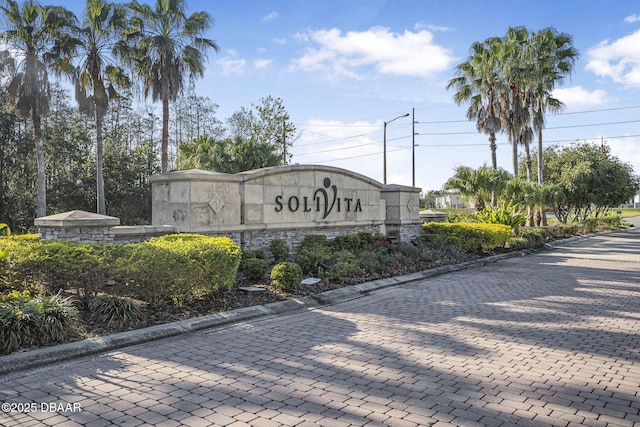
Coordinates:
43 356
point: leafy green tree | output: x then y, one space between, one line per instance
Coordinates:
69 156
17 169
40 38
591 179
274 127
265 123
163 46
128 192
97 76
195 117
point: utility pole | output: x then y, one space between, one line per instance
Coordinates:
384 150
413 146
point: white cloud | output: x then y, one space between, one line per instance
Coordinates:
270 17
431 27
618 59
632 18
262 63
350 145
627 149
231 66
579 96
352 54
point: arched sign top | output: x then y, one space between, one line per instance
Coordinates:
276 170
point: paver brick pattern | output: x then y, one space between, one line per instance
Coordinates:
547 339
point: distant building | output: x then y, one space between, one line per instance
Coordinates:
449 200
632 203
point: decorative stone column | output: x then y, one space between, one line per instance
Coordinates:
77 226
403 206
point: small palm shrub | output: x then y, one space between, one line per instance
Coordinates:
286 275
506 214
279 250
115 313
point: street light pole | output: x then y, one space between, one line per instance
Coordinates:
384 161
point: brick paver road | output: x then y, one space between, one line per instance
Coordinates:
546 339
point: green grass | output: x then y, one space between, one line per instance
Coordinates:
627 212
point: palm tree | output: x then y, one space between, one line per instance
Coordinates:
515 105
39 36
96 76
479 83
553 58
477 183
164 44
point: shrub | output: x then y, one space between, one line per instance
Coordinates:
471 237
286 275
311 240
312 258
279 250
173 267
518 242
345 267
54 266
254 268
182 266
257 253
356 241
116 313
590 225
534 237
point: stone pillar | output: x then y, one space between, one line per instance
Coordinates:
77 226
402 206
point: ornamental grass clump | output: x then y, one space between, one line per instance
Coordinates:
28 321
115 313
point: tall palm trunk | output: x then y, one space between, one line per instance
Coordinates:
165 135
514 152
494 165
42 174
101 206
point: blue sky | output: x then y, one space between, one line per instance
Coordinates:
343 67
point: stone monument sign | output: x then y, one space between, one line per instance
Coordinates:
255 207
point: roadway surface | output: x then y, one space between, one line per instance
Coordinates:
551 338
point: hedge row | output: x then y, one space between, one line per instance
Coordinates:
469 237
177 267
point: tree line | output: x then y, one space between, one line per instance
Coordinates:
115 53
